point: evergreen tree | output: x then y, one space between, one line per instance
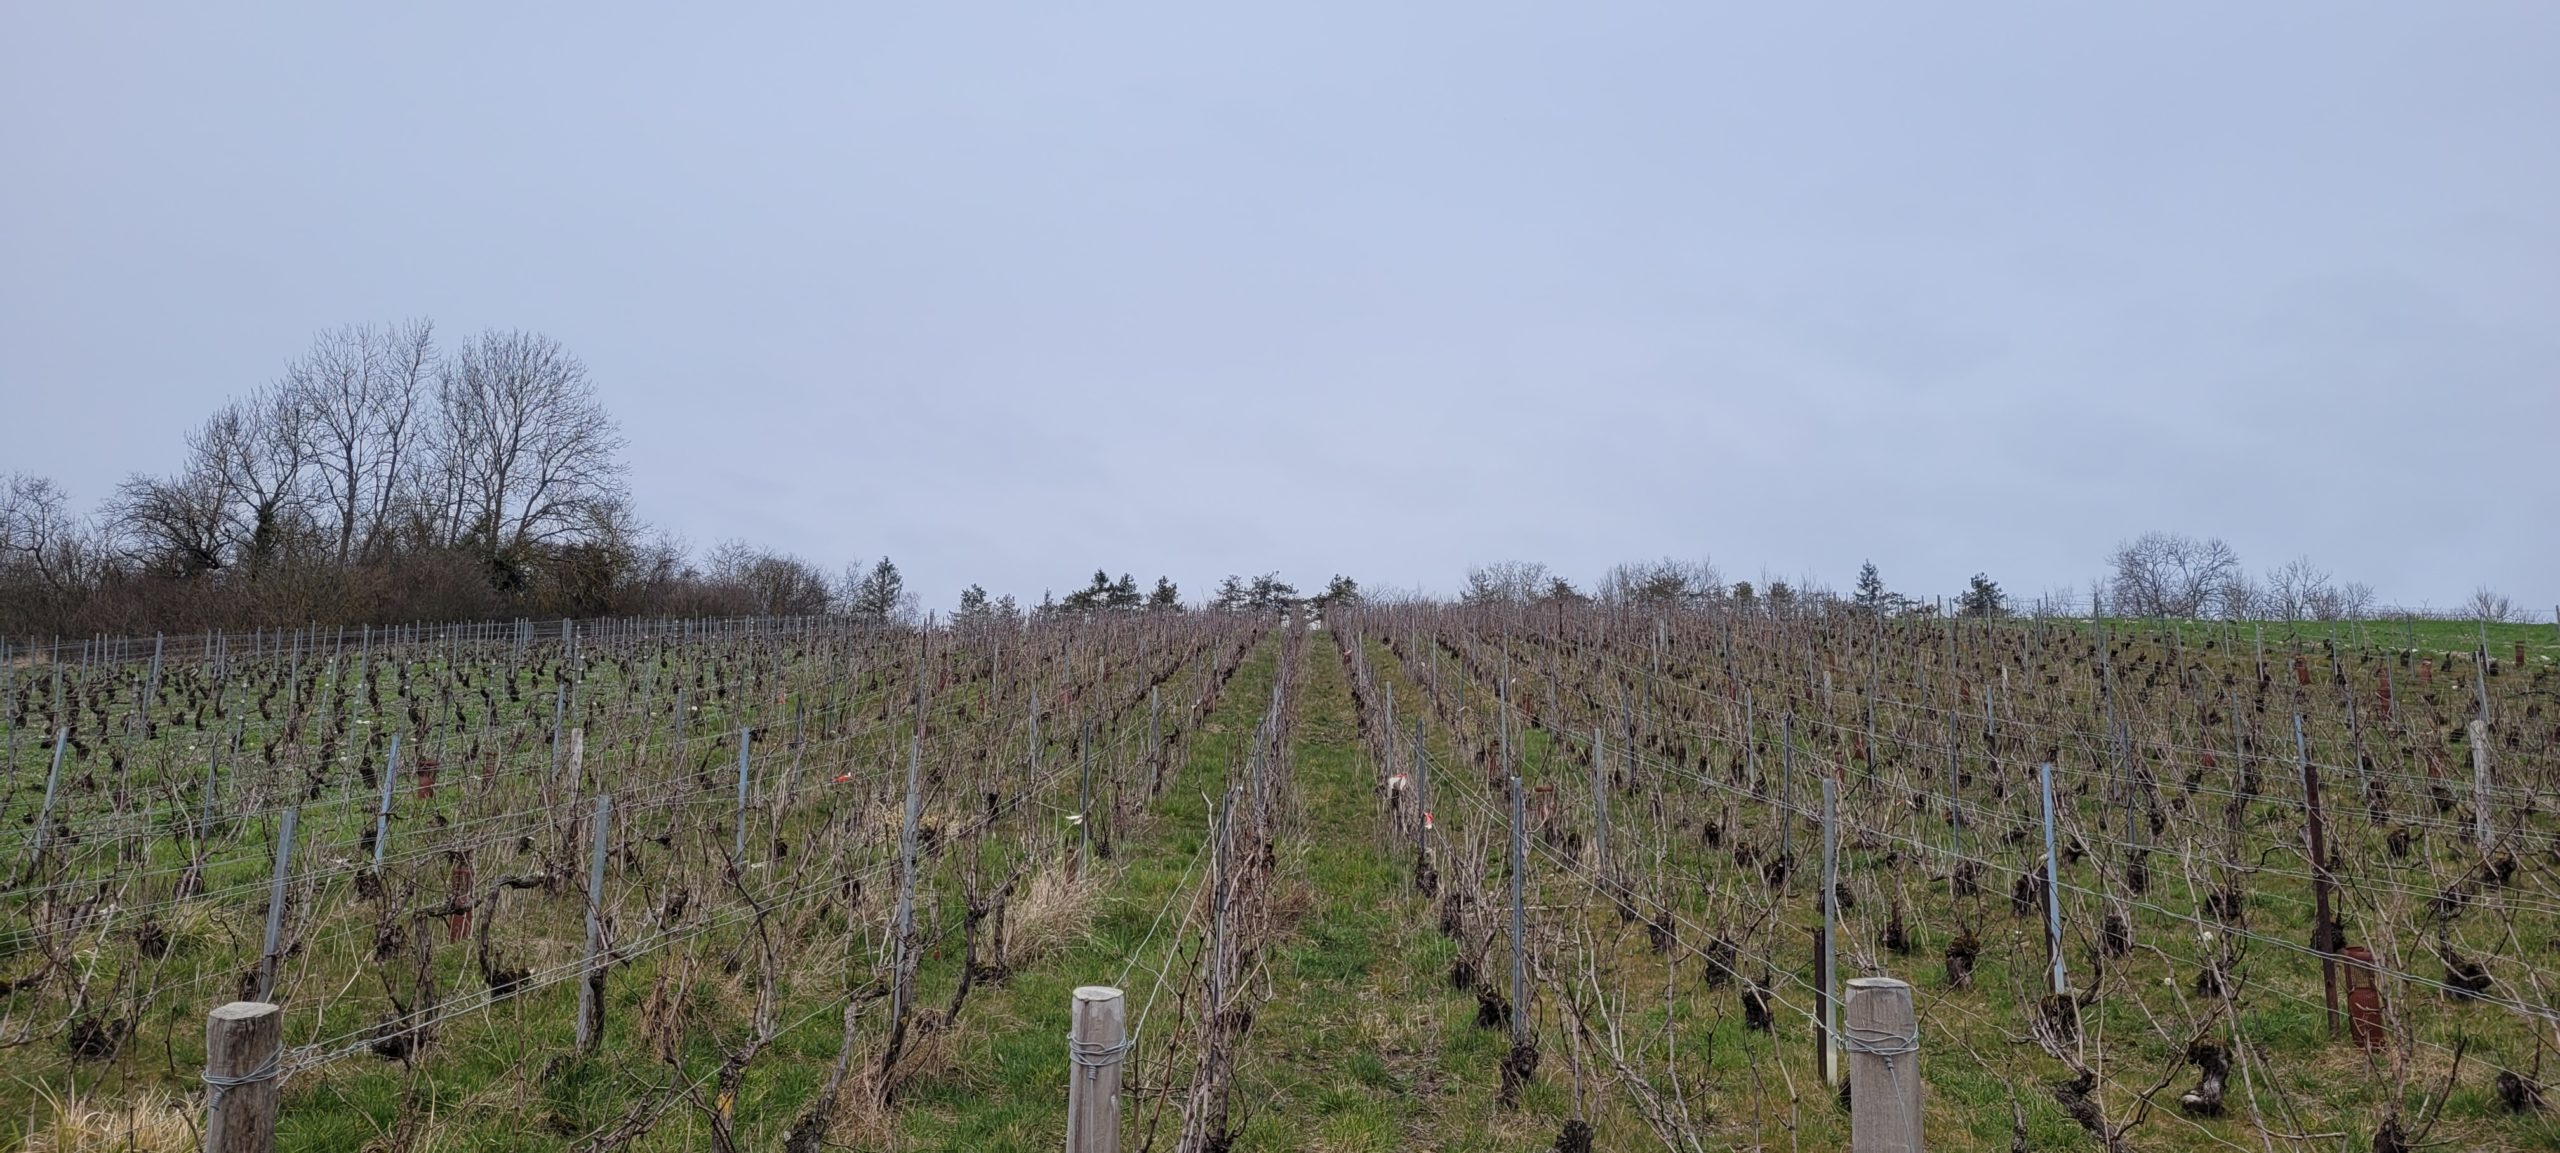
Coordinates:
877 595
1983 598
1166 596
1269 592
1872 596
1094 595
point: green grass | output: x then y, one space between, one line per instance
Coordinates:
2391 634
1006 1088
1361 1042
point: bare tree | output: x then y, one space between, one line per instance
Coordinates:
2490 605
38 535
361 390
2161 574
2298 589
173 526
1666 582
1505 582
2241 598
772 583
525 448
255 455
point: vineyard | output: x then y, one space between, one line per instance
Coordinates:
1408 877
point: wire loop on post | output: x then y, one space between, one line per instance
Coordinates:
219 1084
1879 1043
1095 1056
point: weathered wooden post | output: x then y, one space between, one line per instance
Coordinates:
1883 1039
1097 1044
243 1044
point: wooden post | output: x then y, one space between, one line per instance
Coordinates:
242 1045
1883 1040
1096 1046
591 990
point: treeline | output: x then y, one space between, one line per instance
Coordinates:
2157 574
387 477
384 476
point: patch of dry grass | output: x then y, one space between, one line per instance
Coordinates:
1052 913
151 1122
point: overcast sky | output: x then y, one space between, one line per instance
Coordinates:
1009 293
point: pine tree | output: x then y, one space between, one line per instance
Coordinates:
1871 595
1268 591
877 595
1983 598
